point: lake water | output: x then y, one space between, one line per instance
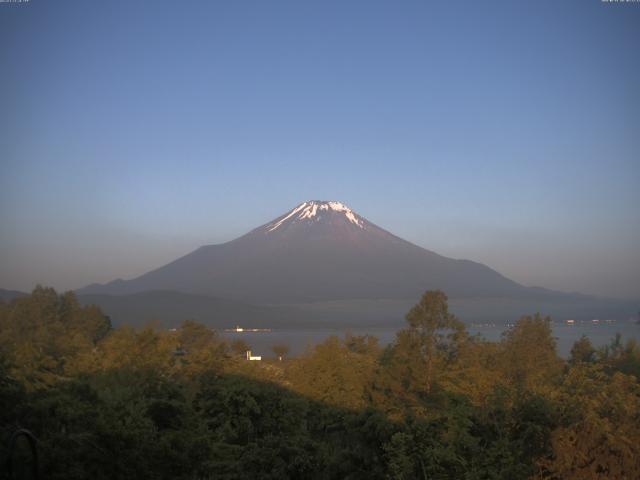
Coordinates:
300 339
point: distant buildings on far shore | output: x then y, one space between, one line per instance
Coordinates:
240 329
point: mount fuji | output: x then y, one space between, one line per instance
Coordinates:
319 251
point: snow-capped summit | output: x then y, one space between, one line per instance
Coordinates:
314 211
317 251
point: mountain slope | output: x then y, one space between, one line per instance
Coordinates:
319 251
8 295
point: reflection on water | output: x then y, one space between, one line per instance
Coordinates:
300 339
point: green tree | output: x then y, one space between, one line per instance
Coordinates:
362 344
621 356
433 332
582 351
195 336
239 346
200 350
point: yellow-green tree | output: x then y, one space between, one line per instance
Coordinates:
44 334
529 359
475 373
148 349
333 374
599 435
199 350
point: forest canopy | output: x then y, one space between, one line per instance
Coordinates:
105 402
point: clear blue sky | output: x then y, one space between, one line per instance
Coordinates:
504 132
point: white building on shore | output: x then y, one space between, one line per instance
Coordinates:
250 357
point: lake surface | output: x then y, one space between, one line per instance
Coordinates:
299 339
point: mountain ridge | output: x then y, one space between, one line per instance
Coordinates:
319 251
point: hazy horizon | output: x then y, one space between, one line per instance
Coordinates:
497 132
